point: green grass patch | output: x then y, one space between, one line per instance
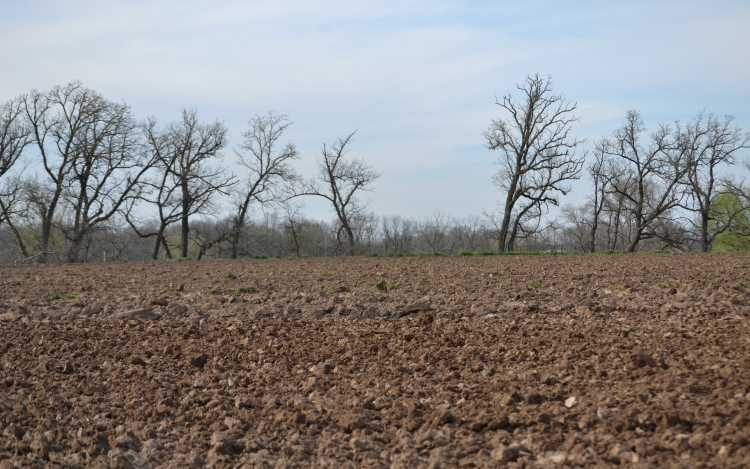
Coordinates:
260 256
229 275
65 296
248 289
534 286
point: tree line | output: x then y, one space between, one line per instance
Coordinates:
81 179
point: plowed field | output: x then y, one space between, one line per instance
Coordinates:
507 361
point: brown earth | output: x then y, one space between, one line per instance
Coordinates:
515 361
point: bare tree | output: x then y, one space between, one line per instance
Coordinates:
340 181
295 226
579 229
268 168
597 199
185 182
15 135
397 234
709 143
55 118
538 154
468 232
88 150
433 230
647 175
209 234
106 171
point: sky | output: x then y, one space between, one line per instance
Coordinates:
417 79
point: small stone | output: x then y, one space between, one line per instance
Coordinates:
446 417
199 361
43 367
147 314
15 430
507 401
38 443
371 313
602 413
168 402
200 383
102 442
571 401
136 360
264 312
160 302
505 453
534 399
640 359
68 368
243 402
232 423
150 446
127 440
179 310
126 459
218 437
56 400
422 304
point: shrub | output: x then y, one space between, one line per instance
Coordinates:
248 289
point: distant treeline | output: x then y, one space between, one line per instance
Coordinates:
82 180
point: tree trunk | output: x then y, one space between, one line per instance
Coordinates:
512 240
234 241
19 239
159 236
503 234
75 247
167 251
46 232
634 242
704 231
594 226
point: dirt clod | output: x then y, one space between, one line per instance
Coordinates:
640 359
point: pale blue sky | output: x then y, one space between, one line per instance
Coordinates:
417 78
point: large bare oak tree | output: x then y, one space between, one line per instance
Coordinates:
710 144
648 175
90 154
268 168
537 155
186 179
340 181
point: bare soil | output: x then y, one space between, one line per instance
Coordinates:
512 361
